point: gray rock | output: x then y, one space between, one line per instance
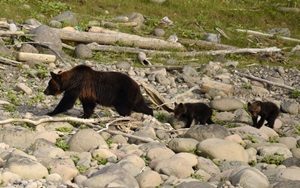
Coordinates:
91 140
212 37
202 132
23 87
183 144
83 52
208 166
26 168
124 65
291 107
175 166
28 48
272 149
189 71
290 142
159 32
137 17
290 173
217 148
121 19
292 161
287 184
146 131
159 153
103 153
149 178
44 151
55 24
225 165
65 167
280 31
194 184
224 116
33 22
16 136
4 50
248 177
118 139
241 115
111 174
67 18
44 34
226 104
296 152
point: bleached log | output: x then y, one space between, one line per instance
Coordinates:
24 56
52 119
120 49
251 32
111 38
208 84
289 9
206 44
265 81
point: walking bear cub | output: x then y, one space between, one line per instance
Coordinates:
188 112
266 110
96 87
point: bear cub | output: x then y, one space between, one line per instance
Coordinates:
96 87
266 110
187 112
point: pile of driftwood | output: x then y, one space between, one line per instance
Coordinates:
101 39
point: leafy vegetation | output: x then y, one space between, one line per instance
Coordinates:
61 143
64 129
273 159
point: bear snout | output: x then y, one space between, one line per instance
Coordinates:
46 92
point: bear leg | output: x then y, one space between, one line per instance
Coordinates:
66 103
88 108
123 110
142 107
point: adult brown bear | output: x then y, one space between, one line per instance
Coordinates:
96 87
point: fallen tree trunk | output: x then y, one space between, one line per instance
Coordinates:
206 44
9 33
116 38
207 84
24 56
268 35
119 49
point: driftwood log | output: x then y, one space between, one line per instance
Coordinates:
206 45
25 56
251 32
119 49
116 38
207 84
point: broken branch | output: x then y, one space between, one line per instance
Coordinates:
268 35
263 80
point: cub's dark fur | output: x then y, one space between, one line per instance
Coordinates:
96 87
188 112
267 110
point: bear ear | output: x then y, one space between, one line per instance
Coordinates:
249 104
54 76
175 103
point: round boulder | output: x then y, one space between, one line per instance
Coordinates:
91 140
226 104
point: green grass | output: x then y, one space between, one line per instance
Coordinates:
61 143
273 159
192 19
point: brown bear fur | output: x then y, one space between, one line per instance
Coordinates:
266 110
96 87
188 112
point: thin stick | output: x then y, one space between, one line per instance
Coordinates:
53 119
9 61
263 80
268 35
131 136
